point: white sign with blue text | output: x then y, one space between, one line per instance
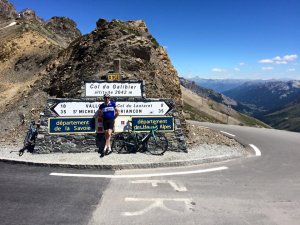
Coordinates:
72 109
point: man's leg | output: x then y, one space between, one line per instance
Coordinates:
100 142
103 149
108 134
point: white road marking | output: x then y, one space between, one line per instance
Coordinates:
159 203
227 133
205 127
139 175
177 187
257 151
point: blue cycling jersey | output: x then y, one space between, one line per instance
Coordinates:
108 110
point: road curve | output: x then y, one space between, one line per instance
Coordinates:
270 183
280 149
262 190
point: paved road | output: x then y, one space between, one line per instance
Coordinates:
262 190
28 195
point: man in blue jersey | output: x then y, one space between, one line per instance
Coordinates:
108 111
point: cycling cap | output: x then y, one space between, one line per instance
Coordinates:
106 95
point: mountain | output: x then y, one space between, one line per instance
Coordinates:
206 92
41 58
265 96
218 85
28 46
204 104
7 11
287 118
274 102
91 56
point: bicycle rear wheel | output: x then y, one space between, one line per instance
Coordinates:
158 144
120 142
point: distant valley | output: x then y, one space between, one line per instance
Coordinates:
274 102
205 104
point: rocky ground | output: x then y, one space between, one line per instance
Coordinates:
204 146
200 135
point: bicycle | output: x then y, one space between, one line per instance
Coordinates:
30 138
132 142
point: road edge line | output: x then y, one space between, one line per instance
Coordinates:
139 175
232 135
256 149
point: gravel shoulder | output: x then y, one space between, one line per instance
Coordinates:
204 145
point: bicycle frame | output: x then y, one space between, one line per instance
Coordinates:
138 144
155 143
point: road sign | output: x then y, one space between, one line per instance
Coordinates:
70 109
164 123
114 76
61 125
153 108
115 89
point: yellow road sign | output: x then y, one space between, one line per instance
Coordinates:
114 76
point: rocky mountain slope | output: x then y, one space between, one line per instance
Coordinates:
91 56
7 11
287 118
207 93
204 104
27 45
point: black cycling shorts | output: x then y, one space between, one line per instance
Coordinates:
108 124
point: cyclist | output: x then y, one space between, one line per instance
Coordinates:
108 111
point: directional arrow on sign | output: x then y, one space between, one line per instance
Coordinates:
75 109
143 108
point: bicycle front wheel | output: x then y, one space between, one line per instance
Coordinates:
123 143
157 144
119 143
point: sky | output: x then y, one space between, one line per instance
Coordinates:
236 39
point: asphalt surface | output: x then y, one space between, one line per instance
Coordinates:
260 190
28 195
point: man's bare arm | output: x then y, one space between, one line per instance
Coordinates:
117 112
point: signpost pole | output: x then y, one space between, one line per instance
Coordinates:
117 66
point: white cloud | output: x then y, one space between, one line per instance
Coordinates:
290 58
267 68
218 70
242 64
280 60
277 58
291 69
266 61
237 69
